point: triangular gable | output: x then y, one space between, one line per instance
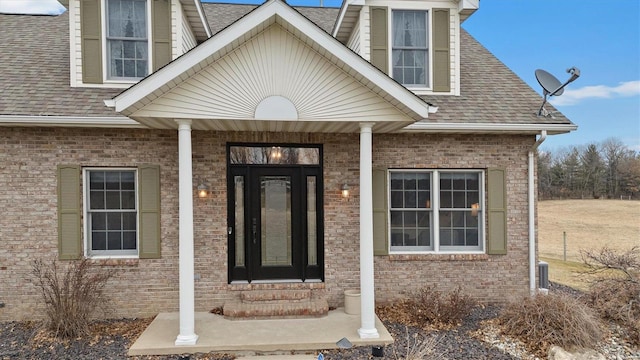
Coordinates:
270 59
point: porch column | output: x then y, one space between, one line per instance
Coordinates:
367 294
187 335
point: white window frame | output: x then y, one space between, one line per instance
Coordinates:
428 67
105 47
435 214
106 254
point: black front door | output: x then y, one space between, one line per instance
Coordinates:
273 222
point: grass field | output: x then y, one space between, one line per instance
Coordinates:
589 225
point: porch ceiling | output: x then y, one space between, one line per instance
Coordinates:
271 52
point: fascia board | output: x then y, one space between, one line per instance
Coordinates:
72 121
489 128
264 13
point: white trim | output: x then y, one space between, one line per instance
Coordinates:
124 82
435 210
187 335
85 213
532 211
480 127
272 8
207 29
367 328
73 76
70 121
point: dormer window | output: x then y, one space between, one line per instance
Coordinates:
410 47
127 40
120 41
413 46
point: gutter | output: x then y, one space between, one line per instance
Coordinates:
532 214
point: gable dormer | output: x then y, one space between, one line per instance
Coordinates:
115 43
414 42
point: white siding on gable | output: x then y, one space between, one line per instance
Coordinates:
188 39
273 62
75 55
354 39
182 39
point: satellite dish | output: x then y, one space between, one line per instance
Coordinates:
549 83
552 86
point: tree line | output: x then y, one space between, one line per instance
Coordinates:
599 170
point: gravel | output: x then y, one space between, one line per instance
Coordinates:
476 338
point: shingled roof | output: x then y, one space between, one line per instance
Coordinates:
34 74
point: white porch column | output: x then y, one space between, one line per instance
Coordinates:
367 292
187 335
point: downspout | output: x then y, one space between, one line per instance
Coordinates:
532 214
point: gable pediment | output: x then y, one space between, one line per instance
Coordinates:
273 70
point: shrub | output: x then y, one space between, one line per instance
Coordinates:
430 308
554 319
419 348
72 294
615 294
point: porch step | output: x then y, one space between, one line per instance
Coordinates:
276 304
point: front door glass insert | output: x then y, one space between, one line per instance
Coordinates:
275 195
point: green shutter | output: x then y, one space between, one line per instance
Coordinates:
379 36
497 211
69 212
441 59
91 35
380 212
149 211
161 11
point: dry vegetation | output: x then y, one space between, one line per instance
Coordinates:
589 224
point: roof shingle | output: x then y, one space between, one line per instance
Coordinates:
34 74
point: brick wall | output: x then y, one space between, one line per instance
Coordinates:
28 229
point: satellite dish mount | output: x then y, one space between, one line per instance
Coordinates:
552 86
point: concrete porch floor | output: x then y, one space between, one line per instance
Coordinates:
215 333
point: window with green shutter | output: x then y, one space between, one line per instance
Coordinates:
431 211
420 46
121 212
125 36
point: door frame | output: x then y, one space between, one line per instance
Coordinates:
250 271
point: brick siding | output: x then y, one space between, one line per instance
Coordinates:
28 225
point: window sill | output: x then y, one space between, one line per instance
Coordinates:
439 257
114 261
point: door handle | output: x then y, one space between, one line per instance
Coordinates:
254 229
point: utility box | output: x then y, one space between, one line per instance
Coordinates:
543 271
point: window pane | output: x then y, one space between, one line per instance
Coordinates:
113 200
396 219
397 237
114 221
274 155
410 218
397 199
96 180
396 181
129 240
424 238
129 221
114 240
128 199
98 221
312 229
98 240
239 215
459 200
96 200
411 199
